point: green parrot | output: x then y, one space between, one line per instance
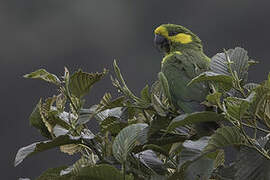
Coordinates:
183 60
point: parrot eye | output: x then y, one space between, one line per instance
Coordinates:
173 33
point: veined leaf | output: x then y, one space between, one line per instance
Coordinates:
251 165
240 63
35 120
81 82
127 139
192 150
224 137
151 161
237 107
196 117
42 146
224 80
44 75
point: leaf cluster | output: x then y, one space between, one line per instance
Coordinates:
145 137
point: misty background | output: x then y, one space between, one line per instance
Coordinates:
90 34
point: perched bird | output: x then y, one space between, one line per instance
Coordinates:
183 60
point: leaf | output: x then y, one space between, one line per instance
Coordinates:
120 83
226 172
127 139
81 82
158 105
251 165
102 172
225 80
53 174
240 63
196 117
42 146
70 149
238 107
200 169
145 97
151 161
192 150
224 137
165 86
44 75
214 98
36 121
250 86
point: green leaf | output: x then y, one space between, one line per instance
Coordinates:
145 96
127 139
214 98
120 83
42 146
44 75
101 172
165 86
81 82
53 174
225 80
238 107
196 117
224 137
240 63
35 120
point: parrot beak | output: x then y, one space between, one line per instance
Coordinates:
161 43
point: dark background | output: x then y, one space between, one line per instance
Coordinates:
89 34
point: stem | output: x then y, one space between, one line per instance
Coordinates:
256 128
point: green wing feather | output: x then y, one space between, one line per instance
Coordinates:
179 69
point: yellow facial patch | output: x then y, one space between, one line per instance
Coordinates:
181 37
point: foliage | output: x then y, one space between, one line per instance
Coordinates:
145 137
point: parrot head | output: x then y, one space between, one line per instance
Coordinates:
172 37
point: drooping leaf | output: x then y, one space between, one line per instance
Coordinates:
224 137
196 117
127 139
44 75
42 146
81 82
225 80
36 121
